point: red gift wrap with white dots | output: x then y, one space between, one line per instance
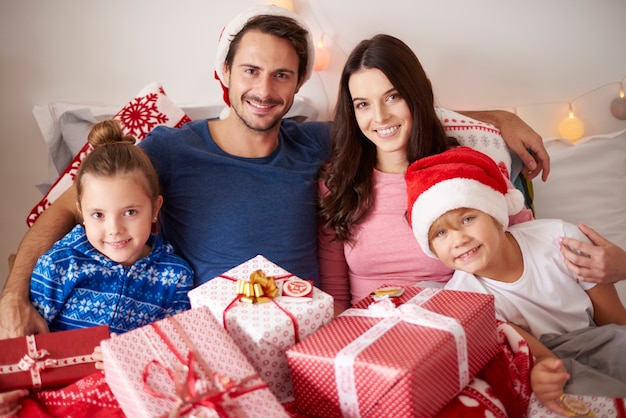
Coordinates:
399 362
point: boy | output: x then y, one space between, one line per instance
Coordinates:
458 208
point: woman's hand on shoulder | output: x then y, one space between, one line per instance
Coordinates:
600 261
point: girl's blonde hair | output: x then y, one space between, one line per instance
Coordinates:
114 154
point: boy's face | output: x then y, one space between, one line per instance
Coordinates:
466 239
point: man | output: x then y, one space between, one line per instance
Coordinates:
244 185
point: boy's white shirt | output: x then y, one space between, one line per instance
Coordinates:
547 298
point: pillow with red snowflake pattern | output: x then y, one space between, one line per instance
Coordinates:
150 108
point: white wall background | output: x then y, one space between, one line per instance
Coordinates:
479 54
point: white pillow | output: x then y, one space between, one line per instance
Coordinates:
64 126
587 183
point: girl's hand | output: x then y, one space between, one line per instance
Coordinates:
10 402
97 355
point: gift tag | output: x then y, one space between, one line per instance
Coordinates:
297 290
576 407
387 292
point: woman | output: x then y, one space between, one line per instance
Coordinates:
385 119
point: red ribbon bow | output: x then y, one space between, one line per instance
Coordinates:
191 390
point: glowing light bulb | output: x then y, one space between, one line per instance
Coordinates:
618 106
322 57
571 128
286 4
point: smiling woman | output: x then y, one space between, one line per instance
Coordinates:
386 119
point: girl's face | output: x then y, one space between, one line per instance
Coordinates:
118 214
382 115
466 239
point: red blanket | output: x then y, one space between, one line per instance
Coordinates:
502 389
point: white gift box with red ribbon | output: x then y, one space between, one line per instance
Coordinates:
263 331
407 356
185 365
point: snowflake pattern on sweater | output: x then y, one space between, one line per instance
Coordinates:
75 286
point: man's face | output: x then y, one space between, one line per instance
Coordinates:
262 80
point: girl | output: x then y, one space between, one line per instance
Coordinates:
112 270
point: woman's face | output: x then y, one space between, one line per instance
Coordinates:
382 115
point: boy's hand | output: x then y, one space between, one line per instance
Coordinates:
547 379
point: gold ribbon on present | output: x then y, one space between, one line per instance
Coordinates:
260 288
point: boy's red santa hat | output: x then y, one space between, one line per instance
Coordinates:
236 25
458 178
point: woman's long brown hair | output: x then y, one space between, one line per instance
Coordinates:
348 173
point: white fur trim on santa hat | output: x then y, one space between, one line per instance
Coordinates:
236 25
453 194
514 200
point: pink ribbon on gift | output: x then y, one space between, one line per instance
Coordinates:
410 312
285 311
36 361
191 390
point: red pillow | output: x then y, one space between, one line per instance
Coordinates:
151 107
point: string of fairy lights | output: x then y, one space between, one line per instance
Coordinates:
573 128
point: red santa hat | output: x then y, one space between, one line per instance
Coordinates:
457 178
237 24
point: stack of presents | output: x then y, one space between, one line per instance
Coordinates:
259 341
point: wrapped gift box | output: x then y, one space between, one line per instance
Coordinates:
185 365
401 357
582 407
46 361
264 331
